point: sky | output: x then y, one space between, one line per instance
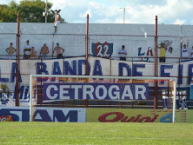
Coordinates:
137 11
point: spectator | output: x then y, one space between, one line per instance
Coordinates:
59 51
185 49
192 53
57 20
33 53
26 50
162 57
44 51
122 53
11 50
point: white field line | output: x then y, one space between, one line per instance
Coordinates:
97 124
107 138
11 143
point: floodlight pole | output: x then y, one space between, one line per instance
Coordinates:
124 14
46 6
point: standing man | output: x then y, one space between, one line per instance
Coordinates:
185 49
11 50
26 50
59 51
57 20
162 54
44 51
122 53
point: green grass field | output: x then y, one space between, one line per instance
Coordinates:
95 133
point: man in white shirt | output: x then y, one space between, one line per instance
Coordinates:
26 50
122 53
185 49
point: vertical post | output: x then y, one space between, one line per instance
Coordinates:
18 62
132 66
124 16
110 69
174 101
46 5
86 52
30 104
41 92
181 41
156 64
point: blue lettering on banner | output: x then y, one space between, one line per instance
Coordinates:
61 117
41 68
80 64
18 114
135 67
13 73
95 91
97 69
190 73
139 52
68 70
45 114
123 66
24 93
4 80
58 116
167 118
163 74
56 69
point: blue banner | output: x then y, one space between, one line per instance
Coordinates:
95 91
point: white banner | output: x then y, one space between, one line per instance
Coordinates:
76 66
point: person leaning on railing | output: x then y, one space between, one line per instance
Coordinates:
26 50
11 50
185 48
44 51
122 53
59 51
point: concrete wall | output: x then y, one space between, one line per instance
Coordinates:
72 36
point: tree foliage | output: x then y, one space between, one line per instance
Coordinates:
30 11
8 13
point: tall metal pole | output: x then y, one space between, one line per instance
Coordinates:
46 5
87 39
124 14
18 62
156 64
